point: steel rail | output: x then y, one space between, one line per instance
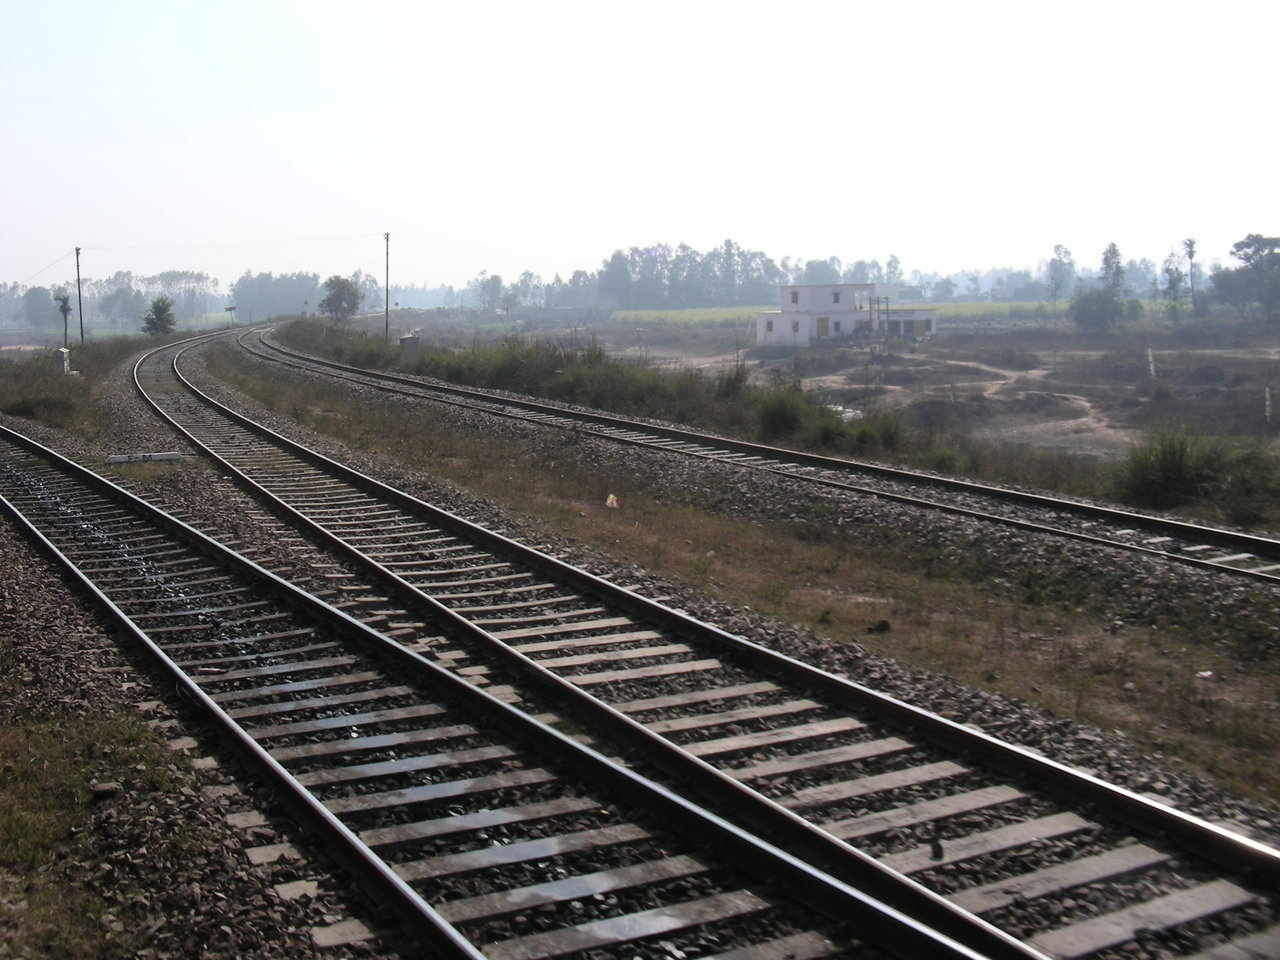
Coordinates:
1227 848
731 798
1261 546
371 871
876 921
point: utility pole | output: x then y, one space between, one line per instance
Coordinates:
386 289
79 299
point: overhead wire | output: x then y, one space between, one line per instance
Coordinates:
69 253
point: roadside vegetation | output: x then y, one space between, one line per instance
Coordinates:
36 389
1053 643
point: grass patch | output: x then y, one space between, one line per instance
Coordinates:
35 388
1045 646
46 767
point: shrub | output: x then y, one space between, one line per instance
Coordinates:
889 432
1250 485
1170 469
1095 310
781 413
946 460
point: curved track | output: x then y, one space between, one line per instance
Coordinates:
1176 541
484 828
998 830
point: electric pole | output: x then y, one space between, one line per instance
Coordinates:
79 299
386 289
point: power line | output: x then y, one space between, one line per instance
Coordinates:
69 253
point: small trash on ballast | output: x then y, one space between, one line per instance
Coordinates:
612 502
1204 675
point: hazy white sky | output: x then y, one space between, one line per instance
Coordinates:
289 136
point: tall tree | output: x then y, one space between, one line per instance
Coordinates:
1060 273
553 293
159 319
341 299
893 270
262 295
1139 274
37 307
1113 271
615 280
1189 247
371 295
528 289
64 307
1094 311
1233 287
1174 279
822 271
1261 271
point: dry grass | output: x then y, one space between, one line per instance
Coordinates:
1140 680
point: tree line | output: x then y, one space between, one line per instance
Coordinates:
665 277
1112 295
661 276
118 302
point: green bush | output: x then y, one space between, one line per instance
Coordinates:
782 410
1250 486
946 460
1170 469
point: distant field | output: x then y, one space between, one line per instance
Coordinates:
692 315
965 308
985 308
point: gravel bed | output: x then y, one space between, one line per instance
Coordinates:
211 900
571 863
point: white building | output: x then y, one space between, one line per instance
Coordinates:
818 311
814 312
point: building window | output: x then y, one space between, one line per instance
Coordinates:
835 297
795 326
768 325
837 326
795 296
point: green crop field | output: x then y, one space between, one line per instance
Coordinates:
963 308
692 315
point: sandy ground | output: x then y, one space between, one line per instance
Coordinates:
1090 433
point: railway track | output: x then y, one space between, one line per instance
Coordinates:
488 832
1046 853
1175 541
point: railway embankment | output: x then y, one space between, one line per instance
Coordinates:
1110 640
111 844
